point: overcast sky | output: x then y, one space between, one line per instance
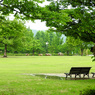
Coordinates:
38 25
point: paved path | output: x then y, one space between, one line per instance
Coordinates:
59 75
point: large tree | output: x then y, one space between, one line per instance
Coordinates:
30 9
57 15
82 15
11 33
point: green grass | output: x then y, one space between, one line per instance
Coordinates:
15 81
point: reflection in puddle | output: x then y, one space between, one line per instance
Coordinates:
46 76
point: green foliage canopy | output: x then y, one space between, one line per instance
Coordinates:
78 21
82 15
24 9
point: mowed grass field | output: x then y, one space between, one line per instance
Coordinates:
15 78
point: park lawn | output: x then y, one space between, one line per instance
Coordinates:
15 78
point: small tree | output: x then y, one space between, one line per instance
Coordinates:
35 46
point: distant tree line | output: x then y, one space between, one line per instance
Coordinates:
16 38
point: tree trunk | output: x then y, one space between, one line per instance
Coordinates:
5 51
82 52
68 53
33 51
94 50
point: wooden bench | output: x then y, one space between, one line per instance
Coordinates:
77 71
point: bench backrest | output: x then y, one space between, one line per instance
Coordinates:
80 70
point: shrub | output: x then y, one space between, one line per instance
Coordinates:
88 91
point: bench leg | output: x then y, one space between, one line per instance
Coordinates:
88 75
79 75
93 75
83 75
75 76
66 76
71 76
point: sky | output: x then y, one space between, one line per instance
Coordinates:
38 25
